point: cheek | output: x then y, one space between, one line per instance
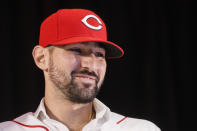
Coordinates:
101 72
102 69
71 63
67 62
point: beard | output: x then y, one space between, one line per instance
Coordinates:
72 89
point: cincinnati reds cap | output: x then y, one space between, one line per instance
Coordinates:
70 26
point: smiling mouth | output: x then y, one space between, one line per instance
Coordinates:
85 76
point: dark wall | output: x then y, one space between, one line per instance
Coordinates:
152 81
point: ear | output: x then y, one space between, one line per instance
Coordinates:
40 57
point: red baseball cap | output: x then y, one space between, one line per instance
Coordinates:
70 26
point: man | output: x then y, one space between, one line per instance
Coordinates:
72 54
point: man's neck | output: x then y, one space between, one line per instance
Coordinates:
74 116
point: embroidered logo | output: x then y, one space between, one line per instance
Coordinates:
84 20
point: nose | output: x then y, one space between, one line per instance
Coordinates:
88 62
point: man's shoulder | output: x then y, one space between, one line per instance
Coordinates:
14 125
125 122
7 125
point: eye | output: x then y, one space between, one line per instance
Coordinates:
99 54
76 50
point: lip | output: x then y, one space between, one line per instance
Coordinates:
85 76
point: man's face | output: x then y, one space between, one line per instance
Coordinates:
77 70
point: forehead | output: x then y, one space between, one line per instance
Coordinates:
92 45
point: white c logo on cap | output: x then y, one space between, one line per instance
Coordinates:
84 20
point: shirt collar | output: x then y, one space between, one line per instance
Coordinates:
41 111
102 111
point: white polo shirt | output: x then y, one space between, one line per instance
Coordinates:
105 121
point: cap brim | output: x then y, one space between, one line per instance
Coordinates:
112 50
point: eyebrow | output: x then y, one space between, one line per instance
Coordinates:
101 45
98 45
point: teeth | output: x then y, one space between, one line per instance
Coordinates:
86 78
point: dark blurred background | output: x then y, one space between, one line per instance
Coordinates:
152 81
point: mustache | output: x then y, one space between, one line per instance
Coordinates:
85 72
